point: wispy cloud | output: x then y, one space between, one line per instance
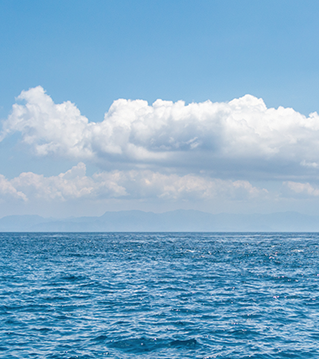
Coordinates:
303 189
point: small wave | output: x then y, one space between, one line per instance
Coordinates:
137 345
184 343
72 278
148 296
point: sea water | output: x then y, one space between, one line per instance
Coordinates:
159 295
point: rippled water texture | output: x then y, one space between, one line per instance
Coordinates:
130 295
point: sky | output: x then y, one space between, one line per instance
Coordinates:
158 105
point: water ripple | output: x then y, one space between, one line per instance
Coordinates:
159 295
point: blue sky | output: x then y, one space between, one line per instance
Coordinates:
93 53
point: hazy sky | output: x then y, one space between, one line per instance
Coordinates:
159 105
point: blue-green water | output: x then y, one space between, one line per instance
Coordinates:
162 295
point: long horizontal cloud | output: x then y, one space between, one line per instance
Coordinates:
142 184
242 135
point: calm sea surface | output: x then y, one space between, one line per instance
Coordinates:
159 295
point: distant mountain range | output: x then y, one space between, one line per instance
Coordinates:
173 221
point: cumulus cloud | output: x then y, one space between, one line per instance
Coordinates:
49 128
240 135
146 183
69 185
7 190
142 184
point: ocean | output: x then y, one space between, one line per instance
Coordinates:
159 295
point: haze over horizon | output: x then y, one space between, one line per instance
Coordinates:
158 106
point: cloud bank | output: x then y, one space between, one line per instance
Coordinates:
143 184
233 138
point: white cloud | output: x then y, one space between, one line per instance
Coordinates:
302 188
49 128
142 184
309 164
145 183
7 190
69 185
240 136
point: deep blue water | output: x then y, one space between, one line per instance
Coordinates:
159 295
